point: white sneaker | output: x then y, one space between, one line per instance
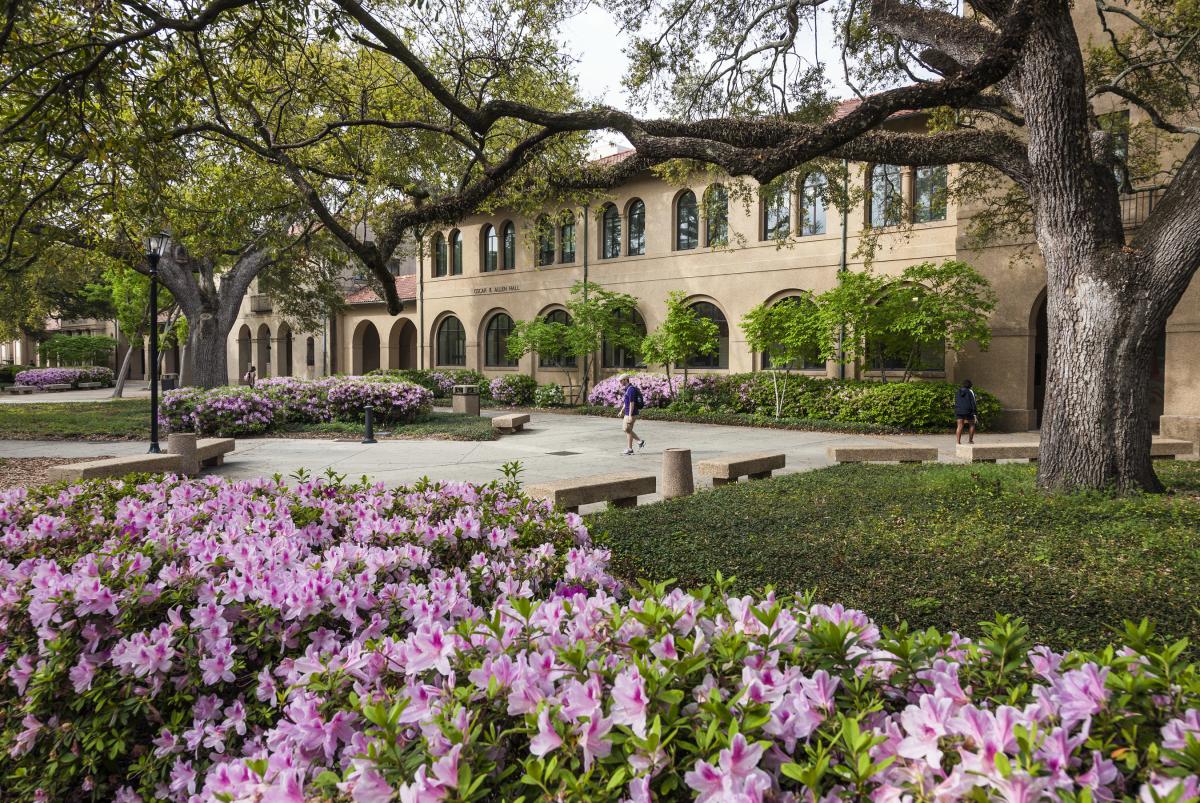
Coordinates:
641 444
627 452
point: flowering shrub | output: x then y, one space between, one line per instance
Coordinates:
41 377
549 395
207 640
167 636
440 382
301 401
403 402
655 390
227 411
514 389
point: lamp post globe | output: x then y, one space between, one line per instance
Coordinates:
155 245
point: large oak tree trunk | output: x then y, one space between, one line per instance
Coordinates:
1096 421
208 346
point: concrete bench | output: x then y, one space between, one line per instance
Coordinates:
58 387
620 489
90 385
211 451
1170 448
755 465
991 452
20 389
508 424
115 467
881 454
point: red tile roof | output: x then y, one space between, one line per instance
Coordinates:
406 287
614 158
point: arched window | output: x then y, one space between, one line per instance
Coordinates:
716 216
545 232
456 253
719 358
491 249
610 233
451 343
566 240
495 342
895 352
812 205
550 361
777 210
637 228
310 352
929 194
687 221
811 361
614 356
439 255
510 247
886 207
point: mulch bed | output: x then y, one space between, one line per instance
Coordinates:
31 471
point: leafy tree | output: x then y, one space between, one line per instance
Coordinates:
850 317
683 335
78 350
596 316
787 332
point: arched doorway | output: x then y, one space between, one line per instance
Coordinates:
285 350
402 345
365 347
263 352
244 351
1041 351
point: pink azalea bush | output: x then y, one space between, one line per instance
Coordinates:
41 377
513 389
207 640
655 389
272 403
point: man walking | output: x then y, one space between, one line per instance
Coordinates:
631 404
966 410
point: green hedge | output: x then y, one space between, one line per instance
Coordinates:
695 414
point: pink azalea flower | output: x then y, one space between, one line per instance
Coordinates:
630 701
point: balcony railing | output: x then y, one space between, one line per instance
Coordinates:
1137 205
260 304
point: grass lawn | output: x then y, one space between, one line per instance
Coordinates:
129 419
940 545
119 419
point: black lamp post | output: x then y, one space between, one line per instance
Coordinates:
155 244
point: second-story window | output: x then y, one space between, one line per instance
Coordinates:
716 216
510 246
637 228
610 233
929 194
886 207
545 234
687 221
439 255
456 253
777 210
566 240
812 205
491 249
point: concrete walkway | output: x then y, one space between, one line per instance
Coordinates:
134 389
551 447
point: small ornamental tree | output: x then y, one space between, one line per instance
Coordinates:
78 350
595 316
787 333
683 336
934 304
850 318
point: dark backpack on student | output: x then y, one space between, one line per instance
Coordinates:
638 401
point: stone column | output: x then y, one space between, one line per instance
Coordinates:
677 473
184 445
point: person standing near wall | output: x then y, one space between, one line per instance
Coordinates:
966 411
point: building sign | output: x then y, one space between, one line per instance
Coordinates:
500 288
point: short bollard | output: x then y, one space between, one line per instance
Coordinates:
184 445
677 473
369 435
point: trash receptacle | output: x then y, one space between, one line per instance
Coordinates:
465 399
168 382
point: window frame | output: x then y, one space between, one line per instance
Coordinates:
812 204
555 316
721 356
630 360
782 191
454 244
545 234
926 211
562 241
440 261
490 242
694 239
491 333
723 217
893 199
610 241
460 347
635 236
508 246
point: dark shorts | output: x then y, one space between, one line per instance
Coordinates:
970 419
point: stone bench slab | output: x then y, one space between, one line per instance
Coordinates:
511 423
90 385
1170 448
15 389
115 467
881 454
727 468
57 387
991 452
621 489
212 451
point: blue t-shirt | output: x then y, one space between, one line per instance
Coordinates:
627 403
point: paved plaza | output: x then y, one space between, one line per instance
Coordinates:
553 446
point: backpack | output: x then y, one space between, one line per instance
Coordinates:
638 401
